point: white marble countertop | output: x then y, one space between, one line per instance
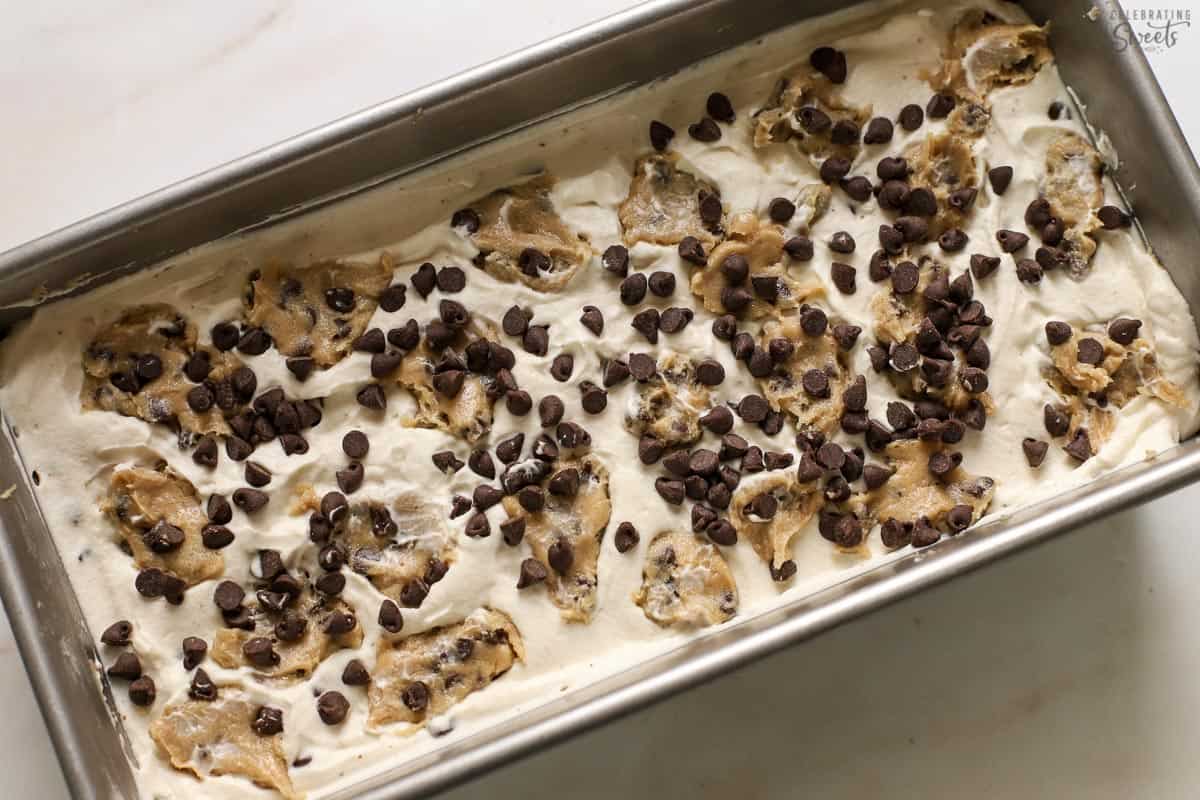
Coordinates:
1070 670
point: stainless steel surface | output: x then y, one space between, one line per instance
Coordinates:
1121 96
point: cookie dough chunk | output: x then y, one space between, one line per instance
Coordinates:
297 658
571 523
317 310
135 367
1090 391
686 583
807 110
795 505
139 499
1074 187
664 203
215 738
943 163
468 414
669 405
767 282
522 237
913 493
985 53
406 545
784 386
424 675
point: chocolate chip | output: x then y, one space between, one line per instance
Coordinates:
1113 218
551 409
670 489
215 537
922 203
1011 241
1124 330
633 289
675 319
911 117
710 209
642 366
451 280
983 266
858 188
593 398
813 321
406 337
719 107
512 531
224 336
250 500
829 62
815 383
735 299
647 322
940 105
1080 447
799 248
478 526
943 462
660 135
332 708
743 346
561 556
228 596
414 593
202 687
562 366
532 498
753 408
1029 271
952 240
424 279
705 130
834 169
446 462
1090 351
963 199
205 453
509 450
1035 451
1038 213
448 383
532 573
879 131
1000 178
371 396
484 496
1057 332
254 342
905 277
781 210
891 242
719 420
912 228
843 276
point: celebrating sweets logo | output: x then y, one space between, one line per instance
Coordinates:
1155 29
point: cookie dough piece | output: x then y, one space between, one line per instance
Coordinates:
913 492
686 583
797 503
468 414
297 658
141 335
139 499
522 218
317 310
215 738
1073 185
663 205
574 524
1089 392
943 163
423 675
985 53
784 387
669 405
768 283
406 545
806 109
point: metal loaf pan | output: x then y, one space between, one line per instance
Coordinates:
620 52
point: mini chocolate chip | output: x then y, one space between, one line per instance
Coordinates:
480 462
1035 451
392 298
719 420
958 518
813 321
560 555
753 408
722 532
760 363
691 250
515 321
943 462
509 450
735 299
355 672
921 202
1011 241
892 168
815 383
512 531
719 107
205 453
446 462
350 479
1038 213
675 319
562 366
642 366
592 319
532 498
414 593
371 396
424 279
743 346
1124 330
224 336
451 280
228 596
710 209
478 526
879 131
706 130
905 277
202 687
952 240
1113 218
843 276
215 537
858 188
670 489
661 283
660 135
940 105
1057 332
459 505
484 496
963 199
